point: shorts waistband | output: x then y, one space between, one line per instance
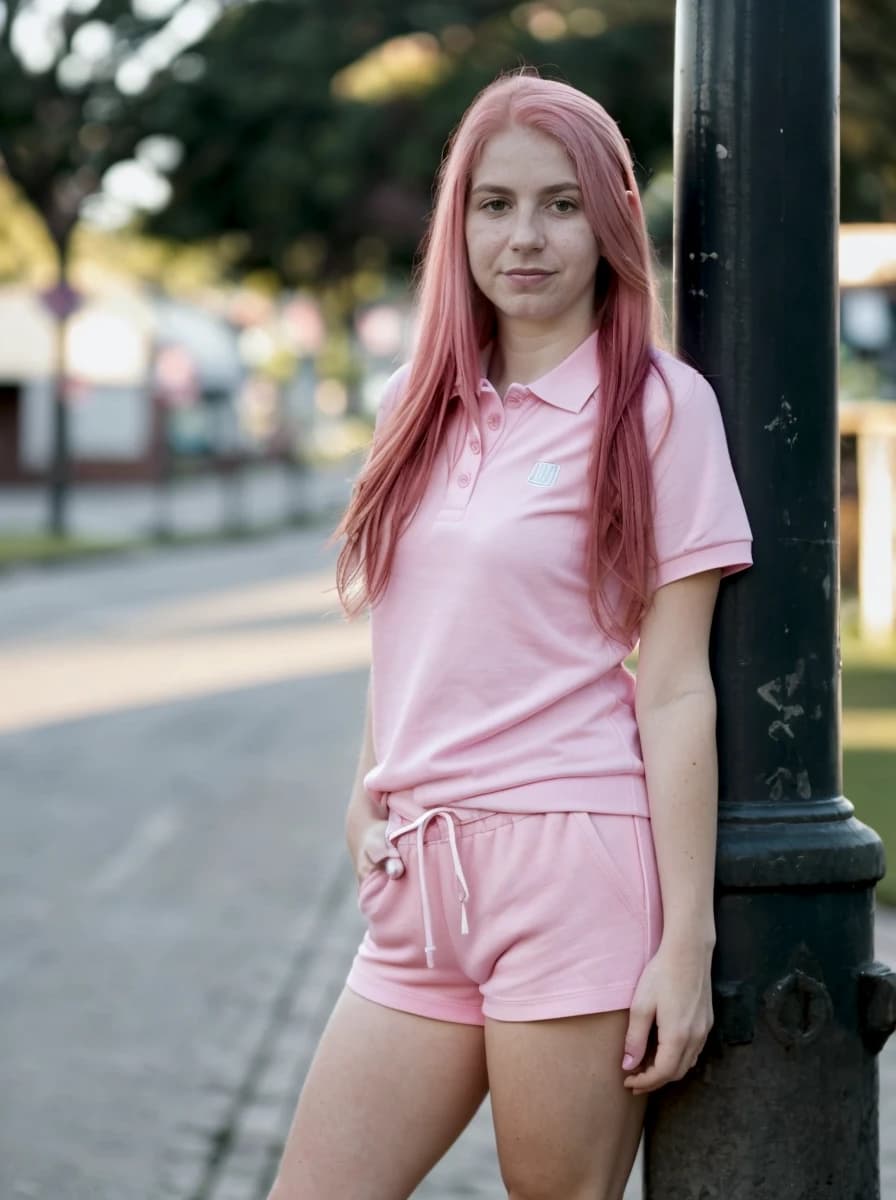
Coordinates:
467 825
468 821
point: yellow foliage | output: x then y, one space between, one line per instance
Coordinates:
399 66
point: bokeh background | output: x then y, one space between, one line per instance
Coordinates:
227 199
209 213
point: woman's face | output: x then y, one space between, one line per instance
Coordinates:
531 250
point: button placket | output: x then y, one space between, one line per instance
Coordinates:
469 464
496 415
477 446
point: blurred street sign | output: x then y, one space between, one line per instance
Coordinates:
62 300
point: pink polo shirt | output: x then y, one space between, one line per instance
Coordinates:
491 686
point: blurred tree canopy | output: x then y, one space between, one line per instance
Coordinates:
65 116
868 105
304 137
323 153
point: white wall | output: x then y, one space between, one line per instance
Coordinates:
112 423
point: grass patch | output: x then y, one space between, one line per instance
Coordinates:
868 781
869 742
17 549
45 550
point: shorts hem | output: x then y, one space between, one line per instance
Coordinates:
569 1004
411 1001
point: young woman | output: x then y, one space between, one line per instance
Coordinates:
532 830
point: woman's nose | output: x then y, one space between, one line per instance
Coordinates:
526 233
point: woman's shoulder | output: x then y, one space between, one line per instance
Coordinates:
673 380
399 377
392 391
682 378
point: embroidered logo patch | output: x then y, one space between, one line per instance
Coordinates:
543 474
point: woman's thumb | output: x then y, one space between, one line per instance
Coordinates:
635 1041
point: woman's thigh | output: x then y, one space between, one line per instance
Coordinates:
566 1127
386 1095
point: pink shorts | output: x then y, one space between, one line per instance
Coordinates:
515 916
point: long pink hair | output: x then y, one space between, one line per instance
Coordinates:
456 321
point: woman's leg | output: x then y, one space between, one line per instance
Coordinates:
386 1095
566 1127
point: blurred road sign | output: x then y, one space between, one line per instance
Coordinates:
62 300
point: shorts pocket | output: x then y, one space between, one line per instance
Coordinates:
370 887
613 841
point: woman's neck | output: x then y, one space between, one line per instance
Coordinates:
524 355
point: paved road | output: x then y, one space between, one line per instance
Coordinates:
177 912
176 752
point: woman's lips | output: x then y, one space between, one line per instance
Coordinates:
527 279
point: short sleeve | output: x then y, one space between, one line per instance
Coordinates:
699 517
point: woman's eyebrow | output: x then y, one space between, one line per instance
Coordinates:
567 186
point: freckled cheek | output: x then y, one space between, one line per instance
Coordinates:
484 254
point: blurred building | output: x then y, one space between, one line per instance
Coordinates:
144 375
868 422
868 311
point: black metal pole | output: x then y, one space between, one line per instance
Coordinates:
59 466
784 1099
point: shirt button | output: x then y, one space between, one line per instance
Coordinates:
494 421
474 446
464 480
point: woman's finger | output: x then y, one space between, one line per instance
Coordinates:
662 1070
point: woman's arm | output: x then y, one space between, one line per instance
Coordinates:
675 707
362 809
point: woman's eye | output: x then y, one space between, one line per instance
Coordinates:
565 206
494 205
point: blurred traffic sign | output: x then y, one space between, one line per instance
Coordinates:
62 300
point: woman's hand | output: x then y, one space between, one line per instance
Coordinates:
374 853
674 991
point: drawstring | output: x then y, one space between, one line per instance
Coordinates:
420 824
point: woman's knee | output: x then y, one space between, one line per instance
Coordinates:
568 1188
531 1177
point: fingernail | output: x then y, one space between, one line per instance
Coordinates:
628 1061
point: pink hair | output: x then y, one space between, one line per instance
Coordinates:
456 321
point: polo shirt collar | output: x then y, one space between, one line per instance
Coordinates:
569 385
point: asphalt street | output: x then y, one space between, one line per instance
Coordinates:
178 735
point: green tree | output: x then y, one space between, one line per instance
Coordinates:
70 78
867 130
321 173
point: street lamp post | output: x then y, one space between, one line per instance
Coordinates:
62 301
784 1098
